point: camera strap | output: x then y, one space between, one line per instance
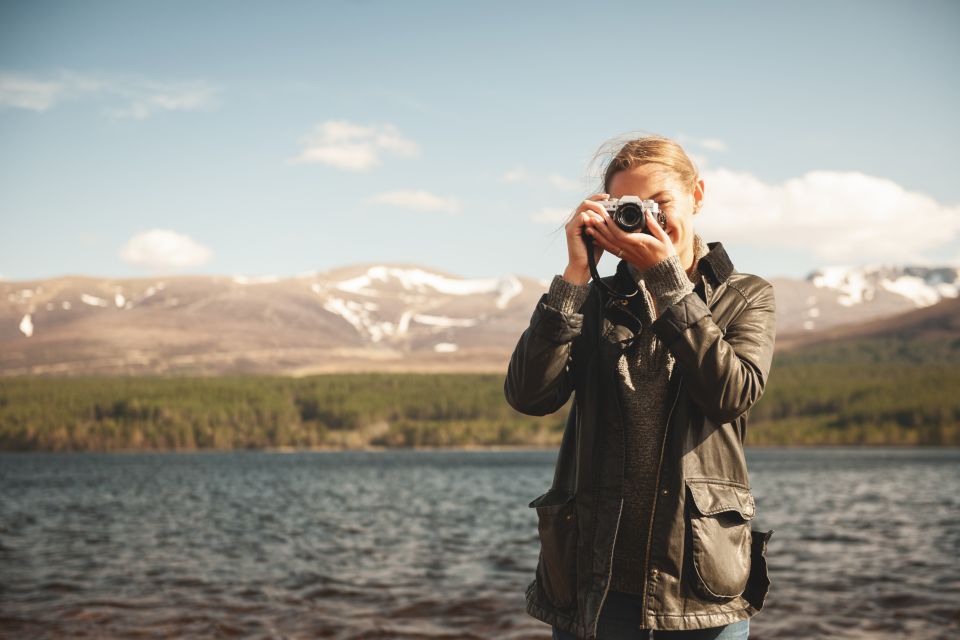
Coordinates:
604 287
636 325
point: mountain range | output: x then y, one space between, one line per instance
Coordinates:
378 317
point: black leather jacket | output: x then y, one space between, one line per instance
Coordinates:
707 566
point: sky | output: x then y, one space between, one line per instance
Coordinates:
274 139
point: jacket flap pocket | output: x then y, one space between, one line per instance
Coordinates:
715 496
558 530
552 498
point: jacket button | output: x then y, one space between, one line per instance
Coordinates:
664 492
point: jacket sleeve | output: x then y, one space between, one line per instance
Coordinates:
726 373
539 378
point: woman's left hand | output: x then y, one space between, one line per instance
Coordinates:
641 249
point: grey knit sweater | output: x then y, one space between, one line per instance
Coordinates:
645 368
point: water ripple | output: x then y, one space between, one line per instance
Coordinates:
441 544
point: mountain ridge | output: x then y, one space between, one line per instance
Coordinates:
361 317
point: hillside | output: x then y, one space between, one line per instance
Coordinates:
367 317
927 335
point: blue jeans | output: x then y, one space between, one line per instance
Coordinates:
620 620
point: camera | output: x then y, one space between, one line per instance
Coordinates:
630 212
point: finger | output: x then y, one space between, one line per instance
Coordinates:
616 234
593 202
601 241
611 241
604 228
656 230
589 218
599 196
592 216
579 219
638 242
592 206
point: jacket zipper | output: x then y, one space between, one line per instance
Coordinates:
596 621
653 510
616 528
656 494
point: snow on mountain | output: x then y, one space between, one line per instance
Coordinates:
360 315
421 281
26 325
93 301
442 321
923 286
241 279
403 295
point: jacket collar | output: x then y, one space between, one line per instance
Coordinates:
716 264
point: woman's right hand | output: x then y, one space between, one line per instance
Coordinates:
578 267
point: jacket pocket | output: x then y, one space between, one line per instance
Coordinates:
759 584
721 537
558 531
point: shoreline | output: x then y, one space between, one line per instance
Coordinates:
477 448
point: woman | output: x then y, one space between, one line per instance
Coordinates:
647 524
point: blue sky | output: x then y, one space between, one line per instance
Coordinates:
275 139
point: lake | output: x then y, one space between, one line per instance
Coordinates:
432 544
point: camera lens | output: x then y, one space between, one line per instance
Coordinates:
629 216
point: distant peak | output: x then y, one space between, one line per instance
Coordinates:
923 285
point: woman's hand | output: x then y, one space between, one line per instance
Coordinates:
578 267
640 249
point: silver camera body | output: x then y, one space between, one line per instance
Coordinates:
630 213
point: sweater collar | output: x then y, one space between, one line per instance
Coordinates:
700 249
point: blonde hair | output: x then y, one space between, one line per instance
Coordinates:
646 150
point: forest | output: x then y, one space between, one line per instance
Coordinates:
862 394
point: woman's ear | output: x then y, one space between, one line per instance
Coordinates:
698 190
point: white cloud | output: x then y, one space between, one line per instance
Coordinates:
148 98
141 97
551 215
710 144
164 249
697 148
417 200
23 92
353 147
520 174
713 144
838 216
